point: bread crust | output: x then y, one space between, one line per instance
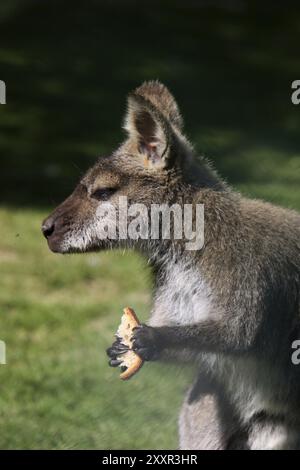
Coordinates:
129 359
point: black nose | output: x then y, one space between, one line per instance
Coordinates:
48 228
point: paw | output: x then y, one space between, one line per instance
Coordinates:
115 351
146 343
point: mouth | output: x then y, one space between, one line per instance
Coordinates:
55 244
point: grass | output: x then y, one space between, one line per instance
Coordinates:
58 314
231 71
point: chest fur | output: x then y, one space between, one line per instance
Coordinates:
183 298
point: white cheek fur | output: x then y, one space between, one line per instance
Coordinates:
84 236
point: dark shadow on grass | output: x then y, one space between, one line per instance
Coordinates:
68 67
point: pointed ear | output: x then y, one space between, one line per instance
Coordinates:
150 131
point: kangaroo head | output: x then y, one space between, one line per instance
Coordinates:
148 168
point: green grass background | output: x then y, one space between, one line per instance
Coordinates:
58 316
67 71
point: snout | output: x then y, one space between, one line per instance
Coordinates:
63 226
48 227
58 226
52 231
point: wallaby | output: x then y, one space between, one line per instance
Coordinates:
232 308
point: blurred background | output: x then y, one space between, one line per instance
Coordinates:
68 67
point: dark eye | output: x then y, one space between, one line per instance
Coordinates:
103 194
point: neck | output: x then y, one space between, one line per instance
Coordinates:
201 175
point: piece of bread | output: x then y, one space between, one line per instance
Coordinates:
129 359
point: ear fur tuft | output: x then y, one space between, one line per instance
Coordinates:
159 95
149 129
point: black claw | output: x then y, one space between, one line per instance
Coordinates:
121 347
114 363
111 352
116 350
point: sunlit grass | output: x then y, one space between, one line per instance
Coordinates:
58 315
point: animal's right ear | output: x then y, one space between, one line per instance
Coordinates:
150 131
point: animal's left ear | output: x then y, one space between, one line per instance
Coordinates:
150 130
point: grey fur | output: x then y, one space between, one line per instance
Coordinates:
232 308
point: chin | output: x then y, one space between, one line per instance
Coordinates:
56 246
59 246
